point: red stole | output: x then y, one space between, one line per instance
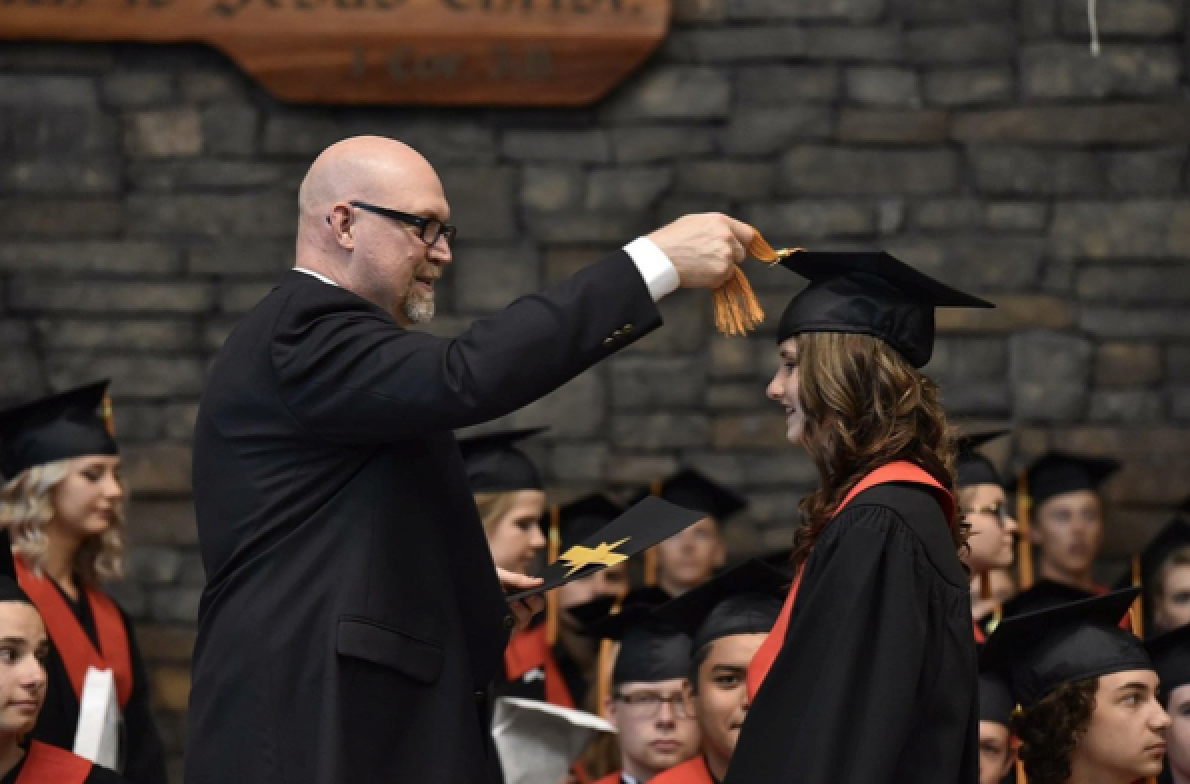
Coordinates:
611 778
50 765
72 643
900 471
692 771
529 650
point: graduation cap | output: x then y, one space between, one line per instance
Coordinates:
593 542
972 467
1170 653
1056 473
995 699
869 293
60 426
1043 595
538 741
1040 651
1173 537
695 490
495 464
650 649
576 521
743 600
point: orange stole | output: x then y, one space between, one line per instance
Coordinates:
528 650
692 771
72 643
611 778
50 765
900 471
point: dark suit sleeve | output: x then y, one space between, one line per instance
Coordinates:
145 758
836 705
351 374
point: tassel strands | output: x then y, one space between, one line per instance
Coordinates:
1025 542
737 311
651 567
1138 607
551 609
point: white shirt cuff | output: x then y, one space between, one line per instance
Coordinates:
660 275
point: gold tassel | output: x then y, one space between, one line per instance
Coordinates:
737 311
1020 772
109 418
1025 544
1138 606
603 675
551 599
985 586
651 566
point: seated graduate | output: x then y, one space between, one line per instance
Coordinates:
24 647
649 703
1066 515
552 660
1163 570
1170 653
509 494
727 619
692 557
996 751
991 536
64 507
1088 693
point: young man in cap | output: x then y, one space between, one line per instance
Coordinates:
649 703
1090 712
1164 574
1170 653
991 536
727 619
1067 515
692 557
996 752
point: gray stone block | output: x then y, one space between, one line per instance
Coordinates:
574 411
893 126
632 188
1099 124
813 219
49 176
1125 364
1071 71
213 86
1030 172
1121 230
253 215
300 134
230 129
675 92
90 218
785 86
978 42
1125 17
767 131
1179 403
648 144
1177 362
490 277
946 215
188 175
882 86
119 335
730 179
1145 172
607 228
978 399
42 90
733 395
668 430
132 376
152 565
239 298
979 263
558 146
827 10
241 258
1138 283
759 431
109 256
947 11
687 317
578 462
637 470
163 133
955 87
57 130
962 359
180 419
136 89
855 44
851 171
550 188
735 44
482 201
1150 323
31 294
662 382
1016 216
1126 405
22 378
175 604
1050 372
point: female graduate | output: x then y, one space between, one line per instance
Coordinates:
870 673
63 505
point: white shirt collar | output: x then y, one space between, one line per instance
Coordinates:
318 275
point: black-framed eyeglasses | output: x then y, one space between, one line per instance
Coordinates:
646 705
430 230
998 511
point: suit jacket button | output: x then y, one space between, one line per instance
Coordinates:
608 341
627 328
479 695
509 622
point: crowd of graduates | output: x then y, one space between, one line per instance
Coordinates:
1077 682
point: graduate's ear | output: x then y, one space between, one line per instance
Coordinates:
609 710
340 222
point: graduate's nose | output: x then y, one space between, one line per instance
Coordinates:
776 388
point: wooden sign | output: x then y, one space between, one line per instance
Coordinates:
442 52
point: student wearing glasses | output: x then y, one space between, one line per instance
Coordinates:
991 535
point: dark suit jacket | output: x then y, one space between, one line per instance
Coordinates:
352 620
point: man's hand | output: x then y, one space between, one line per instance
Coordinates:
522 609
704 248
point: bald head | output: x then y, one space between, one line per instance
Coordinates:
367 168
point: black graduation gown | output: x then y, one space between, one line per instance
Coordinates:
876 681
352 621
144 756
97 775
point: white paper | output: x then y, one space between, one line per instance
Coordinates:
97 736
537 741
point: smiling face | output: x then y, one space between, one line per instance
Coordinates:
1125 740
783 390
722 698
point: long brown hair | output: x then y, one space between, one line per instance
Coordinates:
865 406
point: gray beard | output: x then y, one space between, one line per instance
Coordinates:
418 308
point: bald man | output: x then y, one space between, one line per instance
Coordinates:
352 619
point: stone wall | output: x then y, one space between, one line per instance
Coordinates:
147 199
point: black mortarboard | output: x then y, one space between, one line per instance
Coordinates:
972 467
592 541
869 293
1040 651
1043 595
995 699
496 465
650 649
1173 537
10 591
695 490
8 567
64 425
591 613
743 600
1170 653
1055 473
